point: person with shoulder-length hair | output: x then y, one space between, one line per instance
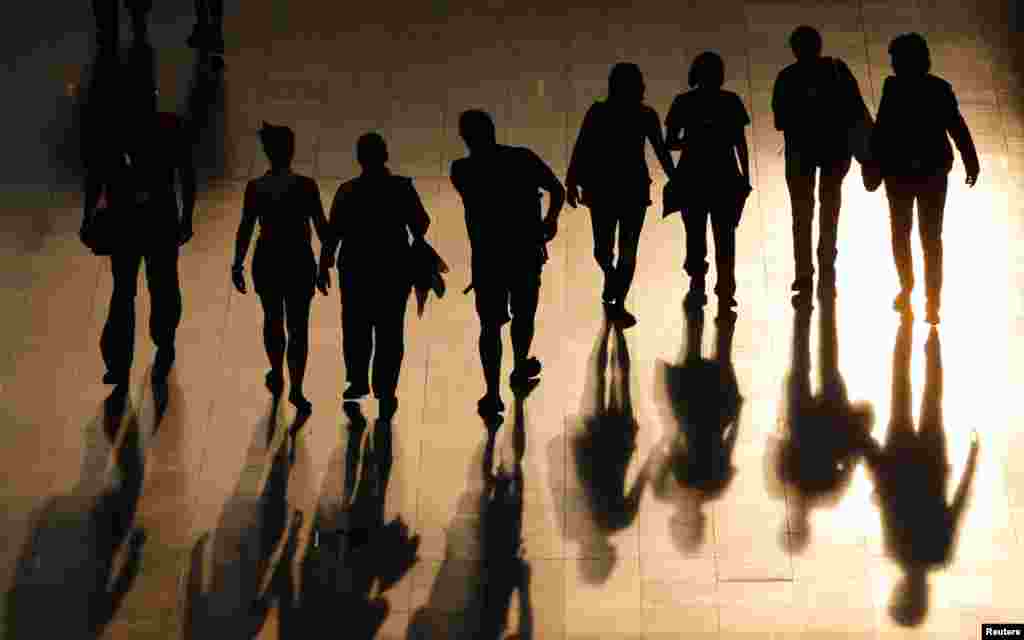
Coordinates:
372 217
910 142
609 164
283 266
706 125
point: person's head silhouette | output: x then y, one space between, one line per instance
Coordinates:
278 144
477 130
707 71
626 83
910 55
909 603
805 43
371 151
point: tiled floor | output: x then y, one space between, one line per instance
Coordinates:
616 546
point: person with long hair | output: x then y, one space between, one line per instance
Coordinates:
284 267
917 116
609 163
706 124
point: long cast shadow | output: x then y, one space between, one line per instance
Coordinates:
231 569
599 448
703 399
483 566
911 475
813 462
83 554
353 556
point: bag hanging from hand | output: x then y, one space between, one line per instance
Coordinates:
104 235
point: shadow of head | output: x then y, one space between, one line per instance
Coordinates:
909 604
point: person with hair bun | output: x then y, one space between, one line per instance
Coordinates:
916 117
283 266
706 125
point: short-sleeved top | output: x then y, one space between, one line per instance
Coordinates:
813 104
284 205
610 153
373 215
711 122
914 115
501 192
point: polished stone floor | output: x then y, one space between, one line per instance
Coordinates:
206 520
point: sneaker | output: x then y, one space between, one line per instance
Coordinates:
524 372
299 401
274 381
695 299
624 318
356 391
490 405
902 303
803 284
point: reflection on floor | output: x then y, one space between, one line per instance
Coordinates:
800 472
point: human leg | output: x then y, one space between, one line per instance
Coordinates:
105 13
296 306
356 337
165 313
274 340
900 193
603 223
696 264
724 231
117 342
930 206
390 344
800 179
139 11
524 298
830 198
630 226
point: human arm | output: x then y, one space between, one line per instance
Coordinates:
742 151
419 220
243 237
674 125
963 489
92 188
961 135
579 158
323 229
654 135
779 102
549 183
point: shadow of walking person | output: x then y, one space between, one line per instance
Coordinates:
811 464
599 450
703 399
227 586
83 553
911 475
353 556
484 564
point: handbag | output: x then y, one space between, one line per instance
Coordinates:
104 235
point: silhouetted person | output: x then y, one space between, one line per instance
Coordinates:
353 556
68 582
283 265
911 476
610 164
108 23
704 400
821 446
600 451
372 217
500 189
208 32
706 124
917 113
145 163
816 101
